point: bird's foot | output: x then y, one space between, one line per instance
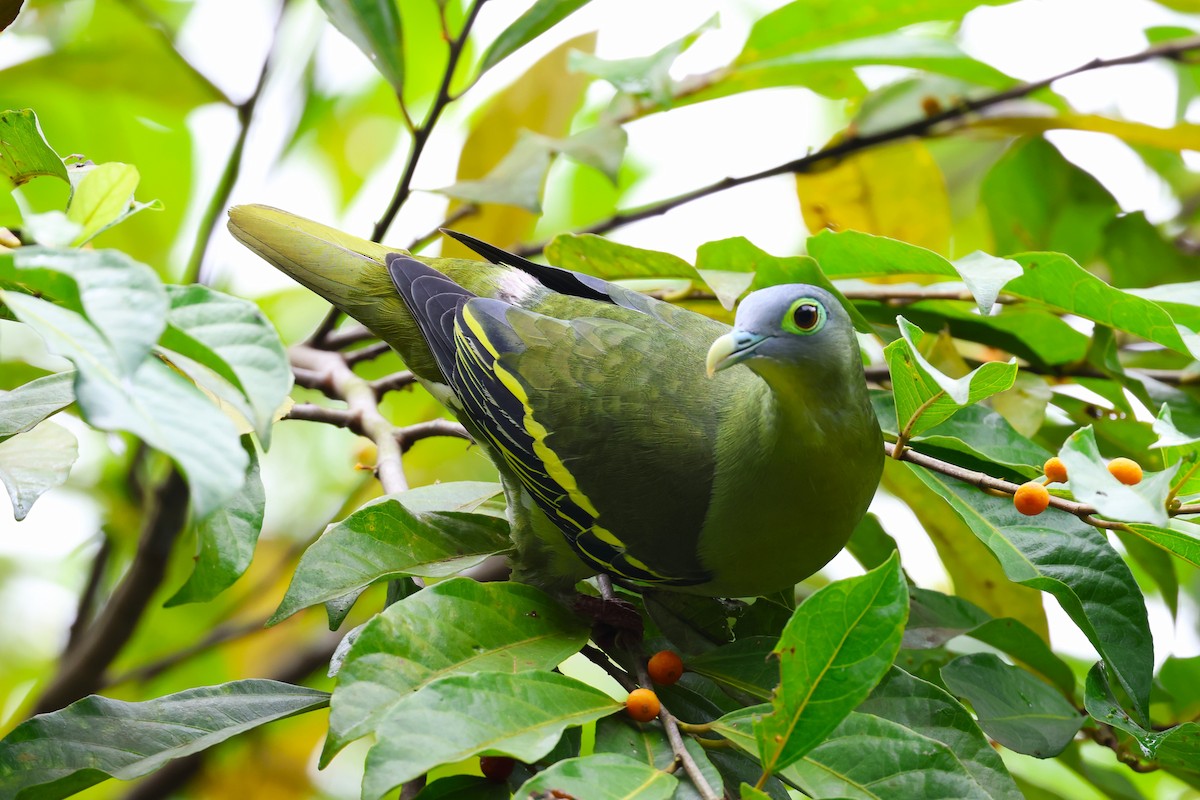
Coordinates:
614 621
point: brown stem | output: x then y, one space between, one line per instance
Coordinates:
81 670
855 144
682 756
336 340
87 598
411 434
422 132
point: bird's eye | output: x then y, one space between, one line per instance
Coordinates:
805 316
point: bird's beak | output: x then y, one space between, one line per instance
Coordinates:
732 348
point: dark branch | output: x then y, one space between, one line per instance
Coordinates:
421 134
81 669
925 126
411 434
87 598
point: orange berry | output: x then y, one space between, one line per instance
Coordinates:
665 667
496 768
1126 470
1031 498
642 705
1055 470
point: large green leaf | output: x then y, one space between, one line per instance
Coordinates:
102 198
375 27
58 754
541 17
744 665
516 181
1073 561
24 154
30 403
594 255
1014 708
225 539
34 462
231 337
383 539
602 776
838 644
805 25
929 711
154 403
454 626
521 715
122 298
924 395
1180 538
1176 746
935 618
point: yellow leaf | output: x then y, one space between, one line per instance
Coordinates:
1184 136
896 191
542 100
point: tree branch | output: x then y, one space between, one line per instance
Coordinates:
850 145
233 165
81 670
87 598
421 133
411 434
682 756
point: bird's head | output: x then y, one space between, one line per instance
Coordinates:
792 323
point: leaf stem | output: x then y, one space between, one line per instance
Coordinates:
904 435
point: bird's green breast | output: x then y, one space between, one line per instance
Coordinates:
798 459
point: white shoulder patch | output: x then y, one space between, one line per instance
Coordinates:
516 286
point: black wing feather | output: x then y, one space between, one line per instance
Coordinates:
563 281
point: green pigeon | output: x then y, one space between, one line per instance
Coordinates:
633 437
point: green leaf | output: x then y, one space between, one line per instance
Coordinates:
155 403
693 624
1180 538
745 665
34 462
602 776
30 403
985 276
1092 483
541 17
1014 708
595 255
870 544
102 198
374 26
383 539
927 710
868 757
1038 200
1178 746
838 644
1072 561
24 153
645 76
648 745
935 618
924 395
225 539
805 25
122 298
465 787
601 147
231 337
520 715
454 626
516 181
58 754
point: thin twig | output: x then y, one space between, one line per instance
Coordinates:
392 383
81 669
338 417
371 351
344 337
682 756
854 144
422 132
217 636
87 598
361 401
233 165
411 434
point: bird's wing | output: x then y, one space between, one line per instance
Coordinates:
602 411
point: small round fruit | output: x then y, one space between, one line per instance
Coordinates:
1126 470
665 667
1031 498
642 705
1055 470
496 768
